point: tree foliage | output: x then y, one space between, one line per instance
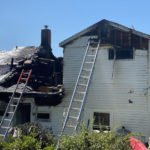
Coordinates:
34 138
91 140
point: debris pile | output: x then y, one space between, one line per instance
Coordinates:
47 70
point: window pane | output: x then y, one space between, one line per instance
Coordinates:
121 53
124 53
43 116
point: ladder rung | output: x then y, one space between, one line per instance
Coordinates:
23 79
7 119
4 127
13 105
77 100
75 108
26 73
10 112
82 84
85 77
86 70
91 55
89 62
2 135
80 92
93 48
72 117
70 126
16 98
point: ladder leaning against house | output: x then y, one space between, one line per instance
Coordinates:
13 104
73 115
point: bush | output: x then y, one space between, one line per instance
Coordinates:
87 140
22 143
32 137
52 147
1 143
36 131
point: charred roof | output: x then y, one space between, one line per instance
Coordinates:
113 33
18 53
46 79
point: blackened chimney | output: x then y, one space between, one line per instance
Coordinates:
46 38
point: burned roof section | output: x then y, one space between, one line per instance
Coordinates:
45 83
18 54
114 34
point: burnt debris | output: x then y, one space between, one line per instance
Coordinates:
47 72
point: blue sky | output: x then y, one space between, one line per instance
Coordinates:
21 21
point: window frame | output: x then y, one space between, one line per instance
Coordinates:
104 127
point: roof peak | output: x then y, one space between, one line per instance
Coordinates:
96 25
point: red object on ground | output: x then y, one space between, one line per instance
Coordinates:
136 144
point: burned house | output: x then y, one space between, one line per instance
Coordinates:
44 88
118 91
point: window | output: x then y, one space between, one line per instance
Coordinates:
43 116
121 53
2 113
102 119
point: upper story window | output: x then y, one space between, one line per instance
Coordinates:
121 53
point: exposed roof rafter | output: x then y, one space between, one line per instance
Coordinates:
90 28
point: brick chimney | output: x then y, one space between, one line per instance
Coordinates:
46 38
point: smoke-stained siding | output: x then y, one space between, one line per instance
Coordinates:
113 84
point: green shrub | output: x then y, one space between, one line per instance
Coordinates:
35 138
32 137
91 140
36 131
22 143
52 147
1 143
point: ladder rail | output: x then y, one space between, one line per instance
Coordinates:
84 97
11 98
75 88
18 102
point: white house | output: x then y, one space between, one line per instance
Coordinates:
119 91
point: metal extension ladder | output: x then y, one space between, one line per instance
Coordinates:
73 115
13 104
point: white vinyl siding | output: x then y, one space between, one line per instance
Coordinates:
112 85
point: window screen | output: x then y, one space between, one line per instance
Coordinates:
121 53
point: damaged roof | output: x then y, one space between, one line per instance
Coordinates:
18 53
97 25
45 83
